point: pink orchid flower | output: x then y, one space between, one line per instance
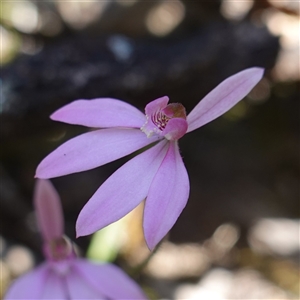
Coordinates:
63 275
157 174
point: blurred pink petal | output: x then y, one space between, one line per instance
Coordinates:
48 210
227 94
79 286
121 192
54 287
100 113
99 276
30 285
63 276
91 150
167 197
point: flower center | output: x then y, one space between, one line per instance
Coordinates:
59 249
160 120
167 121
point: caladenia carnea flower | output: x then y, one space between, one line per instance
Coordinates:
64 275
157 174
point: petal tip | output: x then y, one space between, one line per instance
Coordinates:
40 174
258 71
55 116
78 232
81 230
152 242
150 247
52 117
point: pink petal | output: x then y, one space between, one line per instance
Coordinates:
223 97
102 112
122 191
55 287
167 197
109 280
175 129
91 150
156 105
79 287
30 285
48 210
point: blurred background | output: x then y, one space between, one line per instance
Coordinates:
238 237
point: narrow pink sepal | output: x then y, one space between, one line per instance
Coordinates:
91 150
122 191
175 129
30 285
48 210
223 97
156 105
167 197
100 113
109 280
